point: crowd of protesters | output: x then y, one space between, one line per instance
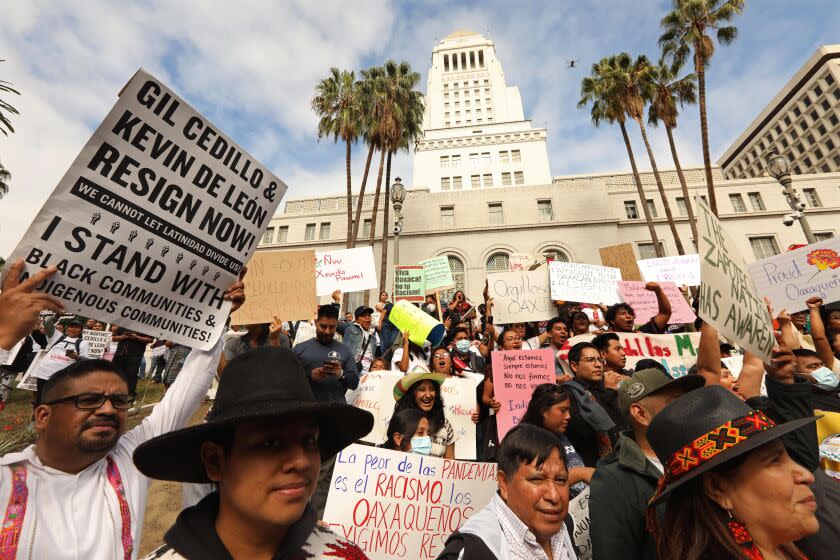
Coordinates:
708 465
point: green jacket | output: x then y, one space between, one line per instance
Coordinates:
623 483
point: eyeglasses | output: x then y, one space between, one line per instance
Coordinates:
593 359
92 401
441 355
512 339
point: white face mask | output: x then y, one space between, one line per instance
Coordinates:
432 307
824 376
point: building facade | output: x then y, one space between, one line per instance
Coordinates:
802 123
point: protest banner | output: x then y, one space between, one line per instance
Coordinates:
348 270
791 278
623 258
403 505
280 283
682 270
586 283
729 300
375 394
515 375
645 305
420 325
153 220
519 261
579 513
98 342
409 284
437 275
676 352
520 296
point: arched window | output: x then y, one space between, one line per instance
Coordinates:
497 262
456 265
555 254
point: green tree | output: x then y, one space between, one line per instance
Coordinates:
602 91
686 30
5 123
668 91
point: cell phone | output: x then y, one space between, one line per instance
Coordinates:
68 351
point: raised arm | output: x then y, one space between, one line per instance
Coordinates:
821 342
664 314
708 355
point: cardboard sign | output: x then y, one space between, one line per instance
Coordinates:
154 219
623 258
98 342
579 512
729 300
409 284
645 305
403 505
519 261
375 394
280 283
676 352
420 325
437 274
682 270
585 283
348 270
520 296
515 375
791 278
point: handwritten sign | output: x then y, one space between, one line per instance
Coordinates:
586 283
623 258
515 375
520 296
645 305
437 274
791 278
729 300
280 283
98 342
154 219
682 270
579 513
404 505
519 261
348 270
409 284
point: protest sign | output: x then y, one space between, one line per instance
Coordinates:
515 374
623 258
348 270
579 512
645 305
586 283
375 394
791 278
409 284
437 275
520 296
280 283
676 352
27 382
403 505
154 219
420 325
728 298
519 261
98 342
682 270
13 353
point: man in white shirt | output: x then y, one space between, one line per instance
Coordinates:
63 349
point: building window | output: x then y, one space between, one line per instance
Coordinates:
515 156
829 79
825 105
309 234
818 154
497 215
833 120
268 236
456 265
445 183
806 100
811 198
366 229
504 156
796 111
631 210
756 202
485 158
456 161
764 246
506 179
457 183
444 160
519 177
784 142
475 181
481 62
325 231
822 130
445 65
787 121
282 234
556 254
497 262
447 216
545 211
681 206
810 139
648 251
823 235
473 160
488 179
651 208
737 203
818 90
829 144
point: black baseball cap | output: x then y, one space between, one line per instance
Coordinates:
362 310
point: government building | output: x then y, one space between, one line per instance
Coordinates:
482 187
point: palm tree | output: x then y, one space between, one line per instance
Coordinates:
667 91
685 30
369 98
634 83
601 91
5 123
5 177
336 102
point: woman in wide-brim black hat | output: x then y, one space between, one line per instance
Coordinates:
731 490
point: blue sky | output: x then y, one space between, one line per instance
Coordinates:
251 67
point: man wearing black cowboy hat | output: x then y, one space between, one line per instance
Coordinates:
262 446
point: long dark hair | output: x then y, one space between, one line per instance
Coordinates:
437 420
404 422
544 397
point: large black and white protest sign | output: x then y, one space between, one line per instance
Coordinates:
153 220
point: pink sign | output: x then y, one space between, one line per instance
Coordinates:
515 374
645 306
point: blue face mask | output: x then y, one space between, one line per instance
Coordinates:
463 345
824 376
421 445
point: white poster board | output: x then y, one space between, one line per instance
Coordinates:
520 296
98 342
27 382
348 270
13 353
585 283
682 270
153 220
519 261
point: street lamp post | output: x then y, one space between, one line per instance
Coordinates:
779 169
397 198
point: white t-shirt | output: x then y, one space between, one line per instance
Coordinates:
413 361
56 357
656 463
